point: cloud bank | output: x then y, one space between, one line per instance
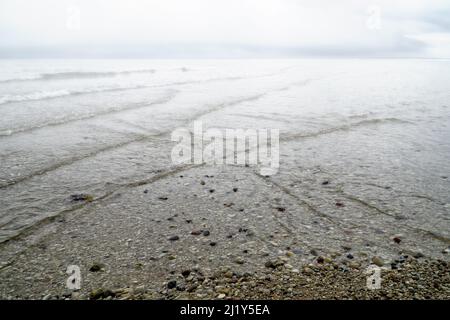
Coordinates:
224 28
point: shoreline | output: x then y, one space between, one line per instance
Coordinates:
175 239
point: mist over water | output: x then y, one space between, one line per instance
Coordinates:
379 129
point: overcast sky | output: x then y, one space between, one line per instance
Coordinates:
224 28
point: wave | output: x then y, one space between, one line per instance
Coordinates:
137 138
77 75
345 127
55 122
45 95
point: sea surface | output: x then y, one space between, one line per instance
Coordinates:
378 130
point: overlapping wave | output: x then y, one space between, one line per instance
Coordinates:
71 75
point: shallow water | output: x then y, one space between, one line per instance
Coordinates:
378 130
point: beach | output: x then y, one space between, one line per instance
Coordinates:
87 180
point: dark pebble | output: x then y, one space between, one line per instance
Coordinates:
339 204
235 189
174 238
213 244
101 294
320 260
163 198
81 197
397 240
206 233
211 190
281 209
196 232
96 267
171 284
186 273
350 256
325 183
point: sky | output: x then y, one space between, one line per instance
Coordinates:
224 28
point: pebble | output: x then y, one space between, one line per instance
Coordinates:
307 270
81 197
47 297
174 238
67 294
185 273
221 296
235 189
273 263
196 232
171 284
397 239
206 233
140 290
181 287
96 267
101 294
378 261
